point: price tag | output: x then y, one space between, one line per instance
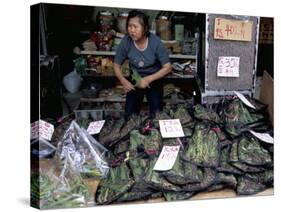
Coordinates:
167 158
228 67
171 128
229 29
42 129
263 137
244 100
95 127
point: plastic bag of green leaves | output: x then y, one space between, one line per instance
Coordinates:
61 187
237 118
182 114
86 153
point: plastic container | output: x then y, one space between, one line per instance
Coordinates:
163 27
105 20
122 22
179 27
72 82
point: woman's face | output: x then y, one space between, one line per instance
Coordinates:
135 29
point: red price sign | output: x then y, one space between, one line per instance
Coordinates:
226 29
42 129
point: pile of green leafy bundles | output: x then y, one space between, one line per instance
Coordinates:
140 190
203 149
222 181
204 178
156 181
121 147
182 114
117 130
256 164
115 185
169 89
202 113
41 188
160 116
145 144
237 119
60 130
134 122
183 173
111 131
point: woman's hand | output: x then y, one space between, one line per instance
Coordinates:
144 83
127 86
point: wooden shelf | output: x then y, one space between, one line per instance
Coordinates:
174 76
111 53
106 53
103 99
182 56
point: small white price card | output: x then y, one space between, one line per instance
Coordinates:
228 67
167 158
95 127
171 128
263 137
42 129
244 100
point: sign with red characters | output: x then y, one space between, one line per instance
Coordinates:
239 30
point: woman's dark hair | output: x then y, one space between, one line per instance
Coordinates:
143 20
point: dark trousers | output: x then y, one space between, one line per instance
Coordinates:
154 96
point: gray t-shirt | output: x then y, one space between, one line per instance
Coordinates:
146 61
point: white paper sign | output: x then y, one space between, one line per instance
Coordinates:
167 158
171 128
263 137
244 100
95 127
42 129
228 67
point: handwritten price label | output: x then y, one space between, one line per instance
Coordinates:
42 129
171 128
244 100
228 67
226 29
167 158
265 137
95 127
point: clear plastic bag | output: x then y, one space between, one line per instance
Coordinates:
86 153
60 187
72 81
41 148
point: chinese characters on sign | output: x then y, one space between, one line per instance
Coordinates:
233 29
171 128
167 158
95 127
42 129
228 67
